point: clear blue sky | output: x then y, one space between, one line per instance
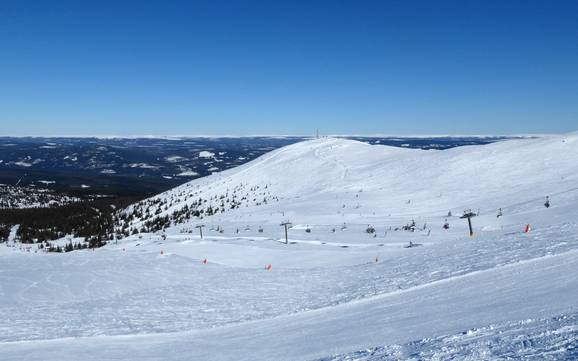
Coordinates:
273 67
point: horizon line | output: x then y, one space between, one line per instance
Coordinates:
365 135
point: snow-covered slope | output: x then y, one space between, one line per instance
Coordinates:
335 292
313 181
30 197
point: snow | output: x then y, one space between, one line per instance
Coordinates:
175 159
143 166
13 232
23 164
206 154
188 173
336 292
552 338
32 197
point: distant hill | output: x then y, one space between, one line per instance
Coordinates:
147 166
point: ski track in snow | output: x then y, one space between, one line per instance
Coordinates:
554 338
484 298
175 300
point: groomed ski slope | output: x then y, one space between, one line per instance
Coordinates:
440 308
336 292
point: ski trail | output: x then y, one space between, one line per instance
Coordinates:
344 169
398 317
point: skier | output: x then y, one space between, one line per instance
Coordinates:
499 213
547 204
446 225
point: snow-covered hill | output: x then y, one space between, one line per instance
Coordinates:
29 197
313 181
336 291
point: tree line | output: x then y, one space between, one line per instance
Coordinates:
94 220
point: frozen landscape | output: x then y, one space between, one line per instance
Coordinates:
379 264
144 166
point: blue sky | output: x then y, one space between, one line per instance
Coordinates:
272 67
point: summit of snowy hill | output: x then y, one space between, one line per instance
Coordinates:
324 177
